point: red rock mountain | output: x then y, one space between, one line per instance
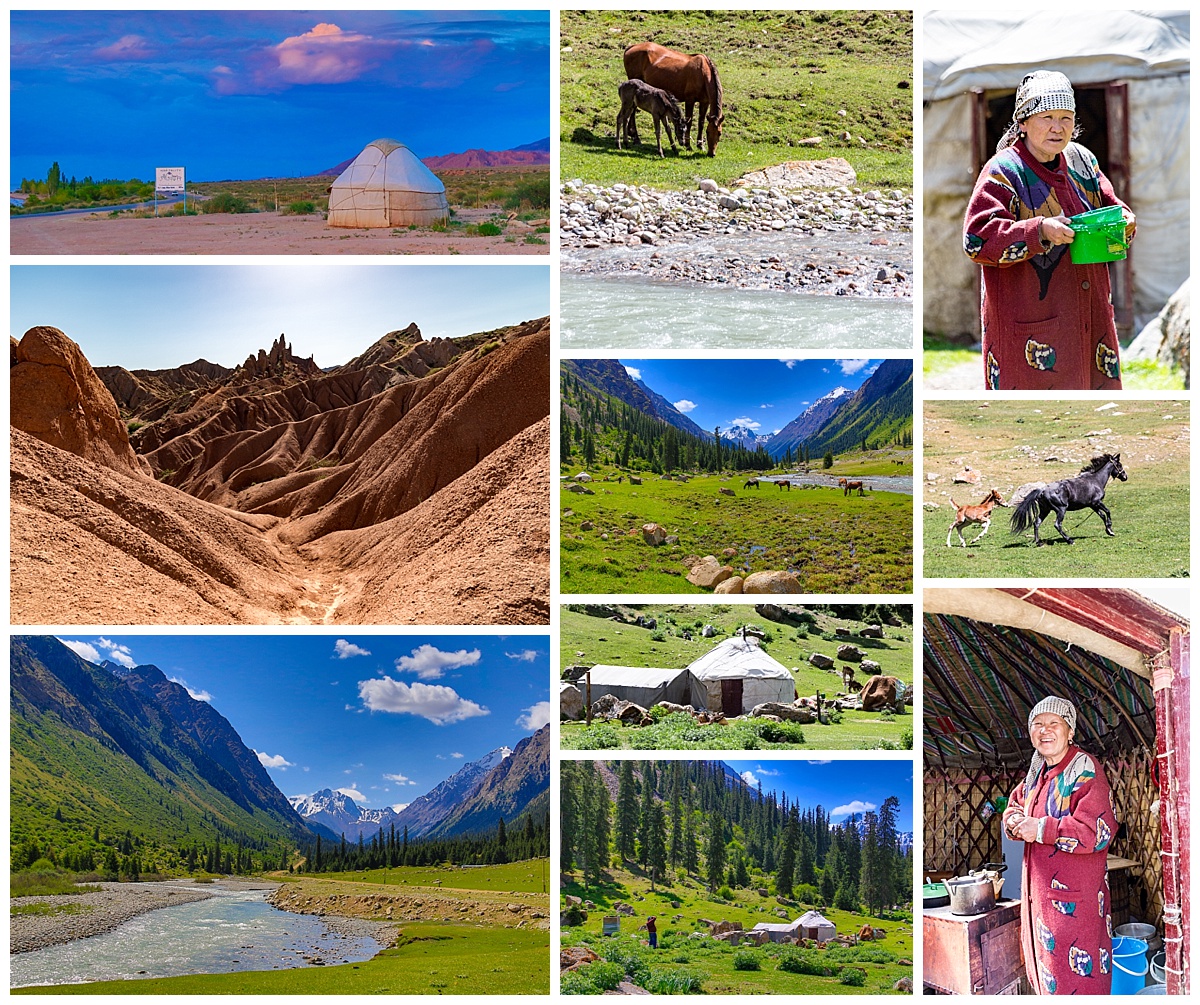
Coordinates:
411 484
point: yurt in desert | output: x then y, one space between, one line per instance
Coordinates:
387 186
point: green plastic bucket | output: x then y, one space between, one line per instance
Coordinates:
1099 236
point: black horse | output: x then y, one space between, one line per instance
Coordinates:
1084 491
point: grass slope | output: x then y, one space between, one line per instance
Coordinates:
1009 442
785 76
431 959
519 877
604 641
834 543
679 909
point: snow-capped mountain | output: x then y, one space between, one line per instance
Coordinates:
808 422
426 812
746 437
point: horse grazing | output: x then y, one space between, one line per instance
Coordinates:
849 487
692 79
981 514
751 483
783 483
1084 491
662 107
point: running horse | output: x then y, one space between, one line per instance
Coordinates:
981 514
1084 491
692 79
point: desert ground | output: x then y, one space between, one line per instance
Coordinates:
253 234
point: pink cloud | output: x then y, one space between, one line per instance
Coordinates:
126 49
328 55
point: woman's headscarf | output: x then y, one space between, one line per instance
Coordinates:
1040 91
1056 706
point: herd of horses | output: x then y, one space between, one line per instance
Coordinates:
1084 491
659 79
847 487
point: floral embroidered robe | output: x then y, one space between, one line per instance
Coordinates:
1066 920
1047 323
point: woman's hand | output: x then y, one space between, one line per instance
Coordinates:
1026 829
1056 230
1130 219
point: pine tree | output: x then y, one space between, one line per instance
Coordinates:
805 865
715 851
645 816
627 812
656 847
568 815
787 857
676 816
691 851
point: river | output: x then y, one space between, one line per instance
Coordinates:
234 930
601 313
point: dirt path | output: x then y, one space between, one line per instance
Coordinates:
251 234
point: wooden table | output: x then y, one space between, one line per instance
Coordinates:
977 954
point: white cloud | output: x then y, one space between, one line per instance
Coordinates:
400 778
747 422
789 363
429 663
273 761
685 406
353 793
118 653
634 372
456 754
197 695
851 366
766 771
344 650
528 655
439 704
749 779
83 650
766 406
819 762
536 716
857 806
397 807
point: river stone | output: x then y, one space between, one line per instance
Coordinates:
708 185
708 572
772 582
732 585
653 534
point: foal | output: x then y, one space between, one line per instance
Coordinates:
662 107
981 514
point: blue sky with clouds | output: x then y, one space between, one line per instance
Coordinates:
159 316
764 395
841 786
384 718
248 94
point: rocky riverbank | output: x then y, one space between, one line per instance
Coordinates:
79 916
839 241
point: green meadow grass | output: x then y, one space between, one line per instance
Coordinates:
680 909
785 76
519 877
1149 511
432 959
838 544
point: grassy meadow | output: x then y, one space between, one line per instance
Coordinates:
605 641
785 76
834 543
517 877
682 964
1012 443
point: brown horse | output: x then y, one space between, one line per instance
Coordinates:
981 514
692 79
849 487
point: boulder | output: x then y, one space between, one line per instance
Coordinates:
828 173
865 934
821 661
570 704
850 654
670 706
731 585
653 534
1167 338
904 985
708 572
579 489
57 397
708 632
634 480
788 713
967 476
871 631
571 957
605 707
879 693
630 712
587 525
721 927
1022 491
772 582
870 667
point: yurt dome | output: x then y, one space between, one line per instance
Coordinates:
387 186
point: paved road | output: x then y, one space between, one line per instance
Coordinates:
100 209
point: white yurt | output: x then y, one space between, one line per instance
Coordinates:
738 674
814 925
387 186
1131 73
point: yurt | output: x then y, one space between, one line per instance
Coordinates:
814 925
1123 661
387 186
1131 74
738 674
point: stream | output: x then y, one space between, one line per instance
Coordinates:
234 930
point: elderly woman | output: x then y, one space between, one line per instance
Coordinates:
1047 323
1063 813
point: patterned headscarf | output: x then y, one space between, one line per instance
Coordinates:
1040 91
1056 706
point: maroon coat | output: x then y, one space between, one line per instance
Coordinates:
1047 324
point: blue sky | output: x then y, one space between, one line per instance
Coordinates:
764 395
381 717
248 94
842 787
160 316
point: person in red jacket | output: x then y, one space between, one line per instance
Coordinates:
652 931
1047 323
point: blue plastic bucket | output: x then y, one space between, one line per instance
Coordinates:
1130 965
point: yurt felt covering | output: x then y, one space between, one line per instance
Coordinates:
387 186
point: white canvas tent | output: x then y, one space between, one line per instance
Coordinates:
387 186
643 686
777 932
736 675
1131 72
814 925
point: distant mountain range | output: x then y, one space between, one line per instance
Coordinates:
535 153
809 422
610 377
